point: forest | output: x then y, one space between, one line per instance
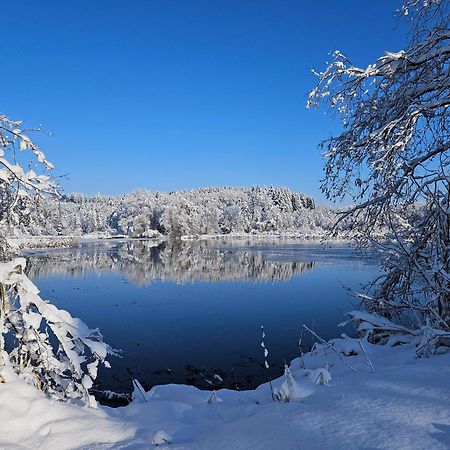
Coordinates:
145 214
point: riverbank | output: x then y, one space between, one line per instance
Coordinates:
333 404
37 242
42 242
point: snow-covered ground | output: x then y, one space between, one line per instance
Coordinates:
402 404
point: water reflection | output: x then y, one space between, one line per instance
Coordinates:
185 312
144 261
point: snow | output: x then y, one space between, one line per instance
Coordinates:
34 242
403 403
29 420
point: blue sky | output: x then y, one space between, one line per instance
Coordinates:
181 94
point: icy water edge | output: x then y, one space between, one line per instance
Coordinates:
192 312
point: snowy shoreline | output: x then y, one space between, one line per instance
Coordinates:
44 242
402 403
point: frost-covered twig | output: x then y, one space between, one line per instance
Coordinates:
212 398
324 342
366 356
302 362
138 391
266 364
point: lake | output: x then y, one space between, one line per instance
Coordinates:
192 312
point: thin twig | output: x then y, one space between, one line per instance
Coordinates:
331 347
365 354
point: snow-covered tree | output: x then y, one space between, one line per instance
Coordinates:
392 160
17 183
57 353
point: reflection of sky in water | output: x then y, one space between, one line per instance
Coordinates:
167 306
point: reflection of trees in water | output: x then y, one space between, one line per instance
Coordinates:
144 261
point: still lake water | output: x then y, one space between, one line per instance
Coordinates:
184 313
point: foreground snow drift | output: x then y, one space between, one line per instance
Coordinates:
404 403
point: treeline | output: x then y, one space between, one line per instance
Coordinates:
208 211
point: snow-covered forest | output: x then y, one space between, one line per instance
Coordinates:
144 214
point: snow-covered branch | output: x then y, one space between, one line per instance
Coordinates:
392 160
48 347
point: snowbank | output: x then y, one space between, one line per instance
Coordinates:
403 403
33 242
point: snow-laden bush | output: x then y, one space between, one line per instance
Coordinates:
377 329
48 347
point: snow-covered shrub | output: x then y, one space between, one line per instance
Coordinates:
161 438
321 376
289 389
48 347
379 330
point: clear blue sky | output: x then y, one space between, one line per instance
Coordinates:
181 94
